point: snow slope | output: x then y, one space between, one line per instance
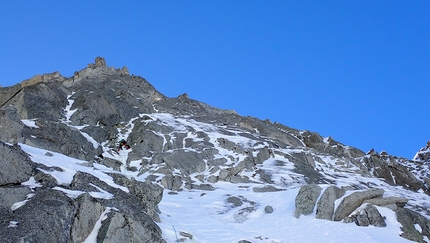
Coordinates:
210 218
208 215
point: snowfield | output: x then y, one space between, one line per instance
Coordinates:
232 212
209 217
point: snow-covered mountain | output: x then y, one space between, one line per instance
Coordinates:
187 172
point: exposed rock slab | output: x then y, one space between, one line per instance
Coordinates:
47 217
15 165
409 219
325 206
11 195
369 215
390 202
353 201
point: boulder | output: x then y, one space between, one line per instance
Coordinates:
306 199
238 179
390 202
369 215
171 182
186 234
235 201
353 201
203 186
98 133
268 188
325 206
268 209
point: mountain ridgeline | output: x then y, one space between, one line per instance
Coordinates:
175 144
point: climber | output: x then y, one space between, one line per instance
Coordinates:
123 143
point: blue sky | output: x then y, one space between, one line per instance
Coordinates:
358 71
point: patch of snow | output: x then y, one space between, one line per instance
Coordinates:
17 205
70 193
101 193
69 167
31 183
30 123
13 224
91 140
67 111
418 228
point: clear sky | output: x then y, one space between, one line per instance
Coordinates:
358 71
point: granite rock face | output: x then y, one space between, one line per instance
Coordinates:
414 226
306 199
353 201
174 144
325 206
16 167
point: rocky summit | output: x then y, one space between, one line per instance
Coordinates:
89 158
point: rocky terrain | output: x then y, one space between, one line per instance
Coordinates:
63 178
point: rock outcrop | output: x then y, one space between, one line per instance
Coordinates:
97 69
306 199
325 206
414 226
423 154
368 215
16 166
353 201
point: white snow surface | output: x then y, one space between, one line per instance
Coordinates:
69 166
30 123
67 111
31 183
210 218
